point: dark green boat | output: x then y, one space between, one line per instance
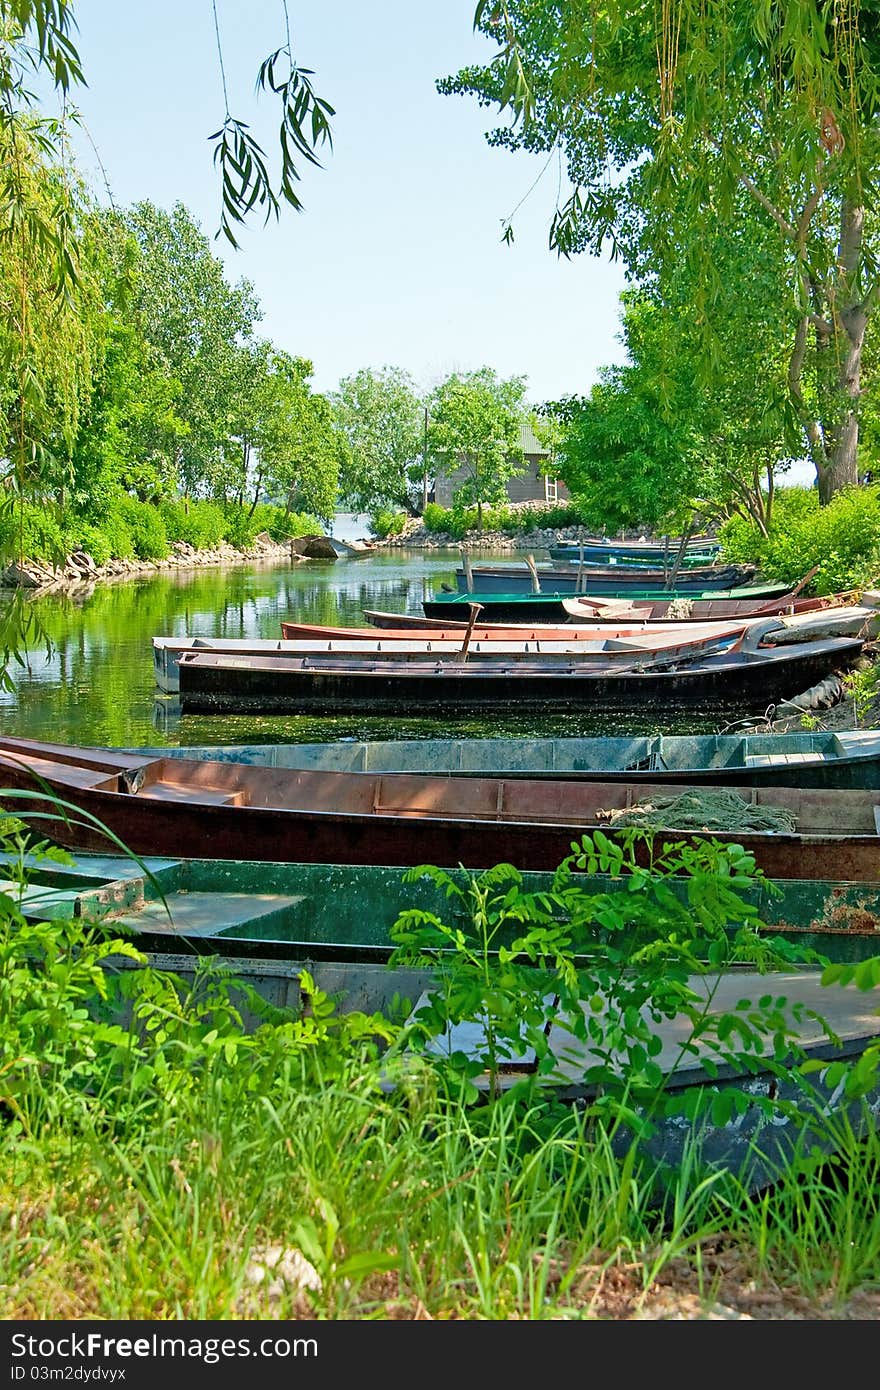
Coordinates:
549 607
265 923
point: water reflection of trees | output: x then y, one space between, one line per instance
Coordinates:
98 686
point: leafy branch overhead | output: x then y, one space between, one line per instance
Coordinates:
304 128
36 37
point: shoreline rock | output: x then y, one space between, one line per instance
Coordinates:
79 569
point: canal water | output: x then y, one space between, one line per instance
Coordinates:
93 683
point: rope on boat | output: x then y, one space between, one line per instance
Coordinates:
703 810
680 608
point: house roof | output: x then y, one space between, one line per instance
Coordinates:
528 440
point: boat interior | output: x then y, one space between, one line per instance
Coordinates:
526 801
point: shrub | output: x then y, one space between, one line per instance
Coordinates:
435 518
386 523
842 539
201 524
29 531
282 526
93 539
241 528
147 528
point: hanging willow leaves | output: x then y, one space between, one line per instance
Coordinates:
304 128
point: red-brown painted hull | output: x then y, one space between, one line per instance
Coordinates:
394 819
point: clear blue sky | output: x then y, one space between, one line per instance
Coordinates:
397 259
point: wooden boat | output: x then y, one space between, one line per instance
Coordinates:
798 759
600 609
175 806
262 923
673 643
554 608
597 579
336 919
211 683
817 621
635 553
582 609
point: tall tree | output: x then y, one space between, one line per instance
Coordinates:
676 118
193 322
473 432
382 418
300 447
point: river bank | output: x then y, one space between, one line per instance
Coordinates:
79 569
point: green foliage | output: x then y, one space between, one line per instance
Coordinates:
31 532
240 527
282 525
842 538
382 420
781 180
386 523
200 524
84 535
458 520
146 527
607 967
473 429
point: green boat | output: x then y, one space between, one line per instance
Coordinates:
264 923
549 607
268 921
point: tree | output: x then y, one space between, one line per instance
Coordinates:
193 323
381 416
300 447
474 421
675 120
36 38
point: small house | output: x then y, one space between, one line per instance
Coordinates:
531 484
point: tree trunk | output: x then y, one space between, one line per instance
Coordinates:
842 447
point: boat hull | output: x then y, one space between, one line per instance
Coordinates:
214 684
612 580
849 760
555 608
218 810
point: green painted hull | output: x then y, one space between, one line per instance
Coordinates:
271 919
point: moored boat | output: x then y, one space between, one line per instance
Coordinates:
262 924
592 645
598 579
175 806
336 919
814 620
555 608
636 553
802 758
215 683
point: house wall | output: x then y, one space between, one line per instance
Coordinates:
528 486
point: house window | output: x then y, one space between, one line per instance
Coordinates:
551 490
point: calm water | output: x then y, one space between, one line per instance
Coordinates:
96 685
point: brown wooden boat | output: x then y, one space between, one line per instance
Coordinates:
815 621
589 610
228 810
603 643
741 679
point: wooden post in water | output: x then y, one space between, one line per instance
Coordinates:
476 609
579 582
468 572
533 571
